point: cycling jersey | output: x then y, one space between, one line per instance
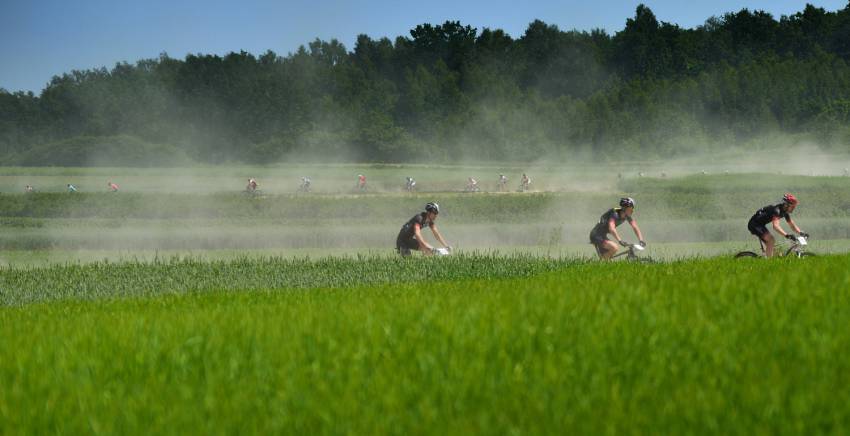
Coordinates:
408 231
765 215
601 228
406 239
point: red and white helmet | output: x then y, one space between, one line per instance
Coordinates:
789 198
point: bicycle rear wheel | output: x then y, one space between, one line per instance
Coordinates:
746 254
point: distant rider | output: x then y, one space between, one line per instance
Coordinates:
503 183
410 184
29 189
72 188
113 187
410 235
608 223
524 183
361 182
472 184
305 184
771 214
252 185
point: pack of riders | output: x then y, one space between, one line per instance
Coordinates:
757 225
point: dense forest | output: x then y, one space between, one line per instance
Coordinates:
450 91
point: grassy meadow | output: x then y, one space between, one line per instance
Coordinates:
719 346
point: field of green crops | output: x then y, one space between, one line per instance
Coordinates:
181 306
718 346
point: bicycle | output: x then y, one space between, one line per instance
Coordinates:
631 254
252 193
797 248
304 187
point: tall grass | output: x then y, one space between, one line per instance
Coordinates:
100 280
718 346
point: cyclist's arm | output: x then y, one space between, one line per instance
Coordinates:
438 235
636 229
793 224
612 229
422 244
778 227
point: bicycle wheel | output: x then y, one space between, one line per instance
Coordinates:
746 254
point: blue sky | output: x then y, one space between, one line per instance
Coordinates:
42 38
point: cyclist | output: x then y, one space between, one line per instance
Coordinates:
410 235
472 185
771 214
503 183
524 183
410 184
608 223
305 184
252 185
361 182
113 187
72 188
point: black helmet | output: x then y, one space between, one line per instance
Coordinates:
627 202
432 207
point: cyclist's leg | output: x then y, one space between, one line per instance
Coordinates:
610 248
769 243
605 247
406 245
765 238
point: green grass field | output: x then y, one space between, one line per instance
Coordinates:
719 346
181 306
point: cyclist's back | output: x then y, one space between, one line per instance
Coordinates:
765 215
601 228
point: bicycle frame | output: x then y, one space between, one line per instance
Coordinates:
630 252
797 248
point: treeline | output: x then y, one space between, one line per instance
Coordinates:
450 92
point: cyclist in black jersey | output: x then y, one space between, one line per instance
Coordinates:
410 235
608 223
771 214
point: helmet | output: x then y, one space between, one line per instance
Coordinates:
627 202
789 199
432 207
